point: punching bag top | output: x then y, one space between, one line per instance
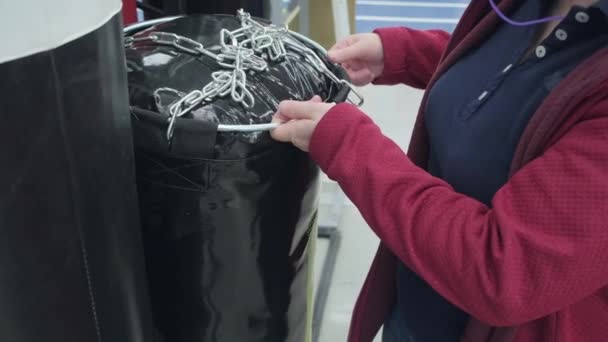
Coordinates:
207 86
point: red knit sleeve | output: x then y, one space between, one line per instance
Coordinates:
411 56
541 246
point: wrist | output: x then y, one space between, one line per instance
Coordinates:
379 58
330 130
394 42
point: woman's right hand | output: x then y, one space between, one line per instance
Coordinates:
361 55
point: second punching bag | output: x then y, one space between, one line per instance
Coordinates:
228 214
71 257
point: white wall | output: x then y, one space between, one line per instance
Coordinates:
31 26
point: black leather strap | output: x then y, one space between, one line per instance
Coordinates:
193 138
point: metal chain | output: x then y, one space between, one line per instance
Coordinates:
249 48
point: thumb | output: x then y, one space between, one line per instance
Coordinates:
298 110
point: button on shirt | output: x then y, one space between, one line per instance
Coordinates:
475 116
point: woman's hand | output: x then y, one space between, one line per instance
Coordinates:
361 55
298 120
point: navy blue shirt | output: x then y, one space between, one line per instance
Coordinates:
475 116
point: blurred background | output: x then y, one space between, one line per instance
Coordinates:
323 20
346 244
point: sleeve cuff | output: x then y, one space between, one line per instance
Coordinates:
331 130
395 41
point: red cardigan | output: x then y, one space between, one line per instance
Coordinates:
535 263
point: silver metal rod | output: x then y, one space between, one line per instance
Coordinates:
148 23
247 128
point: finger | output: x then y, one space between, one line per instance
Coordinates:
341 44
316 99
286 131
351 70
348 53
297 132
283 132
354 65
361 77
299 110
281 118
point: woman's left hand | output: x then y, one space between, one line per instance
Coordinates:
298 120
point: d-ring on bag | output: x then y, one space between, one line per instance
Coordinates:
228 214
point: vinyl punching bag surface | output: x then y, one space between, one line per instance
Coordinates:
227 242
228 216
71 260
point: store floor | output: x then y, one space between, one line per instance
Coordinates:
394 110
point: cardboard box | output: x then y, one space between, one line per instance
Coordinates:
321 20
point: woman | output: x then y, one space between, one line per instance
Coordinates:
494 226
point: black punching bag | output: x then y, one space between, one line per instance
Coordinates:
71 264
228 214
